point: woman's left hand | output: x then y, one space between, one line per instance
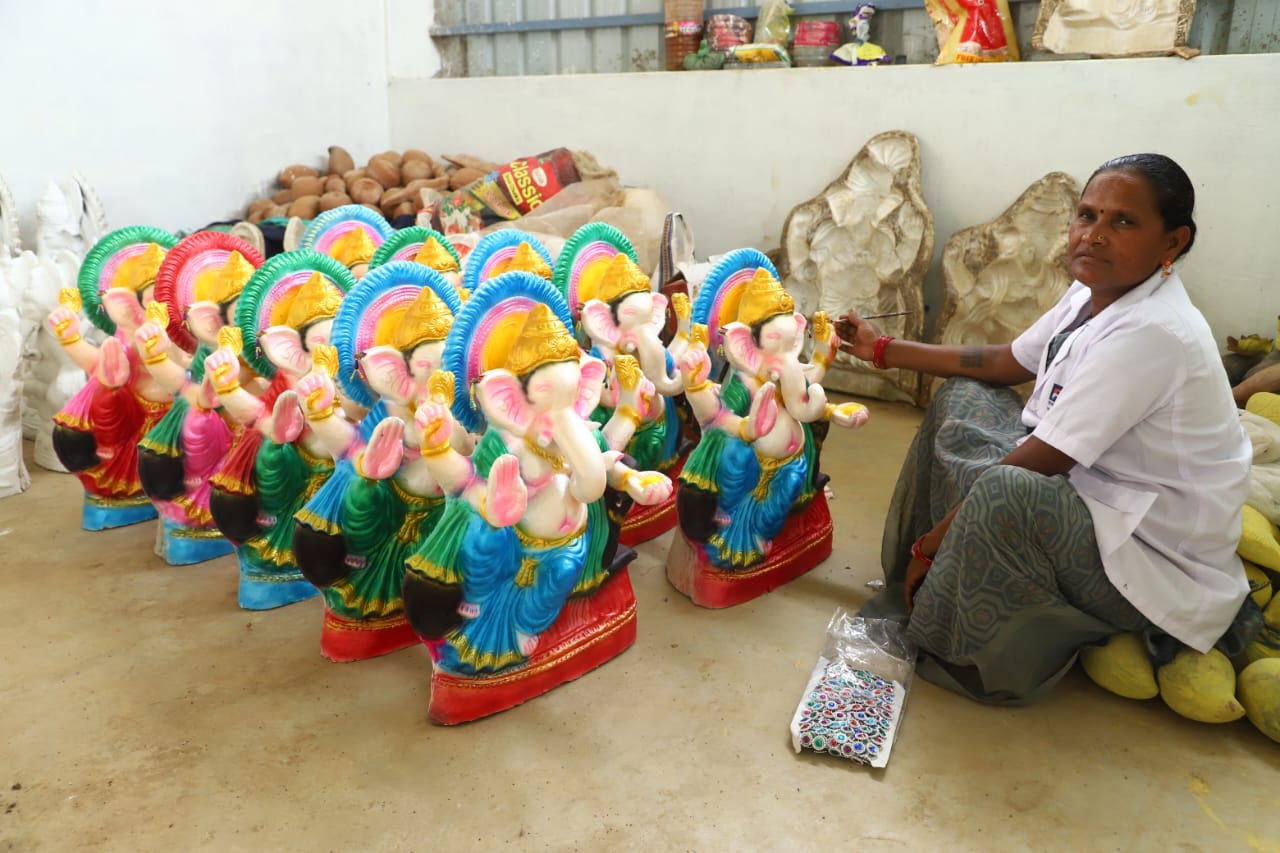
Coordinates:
916 571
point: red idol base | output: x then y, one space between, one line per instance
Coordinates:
805 541
345 641
589 632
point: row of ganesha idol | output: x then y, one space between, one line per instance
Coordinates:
456 454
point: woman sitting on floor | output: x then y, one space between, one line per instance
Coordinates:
1110 502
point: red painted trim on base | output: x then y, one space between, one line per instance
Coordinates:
345 641
805 541
589 632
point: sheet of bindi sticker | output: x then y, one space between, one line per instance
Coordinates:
849 713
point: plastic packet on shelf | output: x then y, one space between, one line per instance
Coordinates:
973 31
852 705
759 52
773 26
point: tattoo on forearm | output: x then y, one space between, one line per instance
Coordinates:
971 357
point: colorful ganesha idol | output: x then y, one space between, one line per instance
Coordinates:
350 234
753 513
521 585
618 310
352 539
508 250
96 434
200 283
285 315
423 246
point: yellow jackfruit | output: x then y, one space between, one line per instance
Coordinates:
1258 540
1121 666
1200 687
1259 692
1265 404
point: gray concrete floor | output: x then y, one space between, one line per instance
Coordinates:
144 711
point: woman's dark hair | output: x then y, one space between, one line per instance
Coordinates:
1175 196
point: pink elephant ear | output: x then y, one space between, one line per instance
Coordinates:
283 347
388 375
590 387
121 301
205 320
741 348
801 325
503 402
658 320
597 319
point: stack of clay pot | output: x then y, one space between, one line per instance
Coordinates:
392 183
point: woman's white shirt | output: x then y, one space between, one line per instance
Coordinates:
1137 396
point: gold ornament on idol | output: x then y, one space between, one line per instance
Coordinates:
440 387
542 340
621 278
158 312
680 304
222 285
231 338
628 370
433 255
326 358
763 298
139 271
317 299
69 298
428 319
354 247
527 260
699 336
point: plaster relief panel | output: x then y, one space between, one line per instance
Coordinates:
865 243
1000 276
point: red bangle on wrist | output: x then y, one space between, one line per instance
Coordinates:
877 354
918 552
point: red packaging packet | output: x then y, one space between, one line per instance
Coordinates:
506 193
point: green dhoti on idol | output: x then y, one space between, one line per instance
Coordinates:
617 308
521 585
277 463
353 537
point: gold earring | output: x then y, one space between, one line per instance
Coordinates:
1167 269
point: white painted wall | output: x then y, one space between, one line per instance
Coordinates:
410 51
181 113
735 151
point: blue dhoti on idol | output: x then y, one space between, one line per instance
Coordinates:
520 584
756 494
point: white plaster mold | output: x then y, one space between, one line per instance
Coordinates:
865 243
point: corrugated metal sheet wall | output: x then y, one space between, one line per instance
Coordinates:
560 37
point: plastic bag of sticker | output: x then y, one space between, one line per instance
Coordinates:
852 704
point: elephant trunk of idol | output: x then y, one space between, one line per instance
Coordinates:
803 402
653 363
578 446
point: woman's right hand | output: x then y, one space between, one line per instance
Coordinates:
857 336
